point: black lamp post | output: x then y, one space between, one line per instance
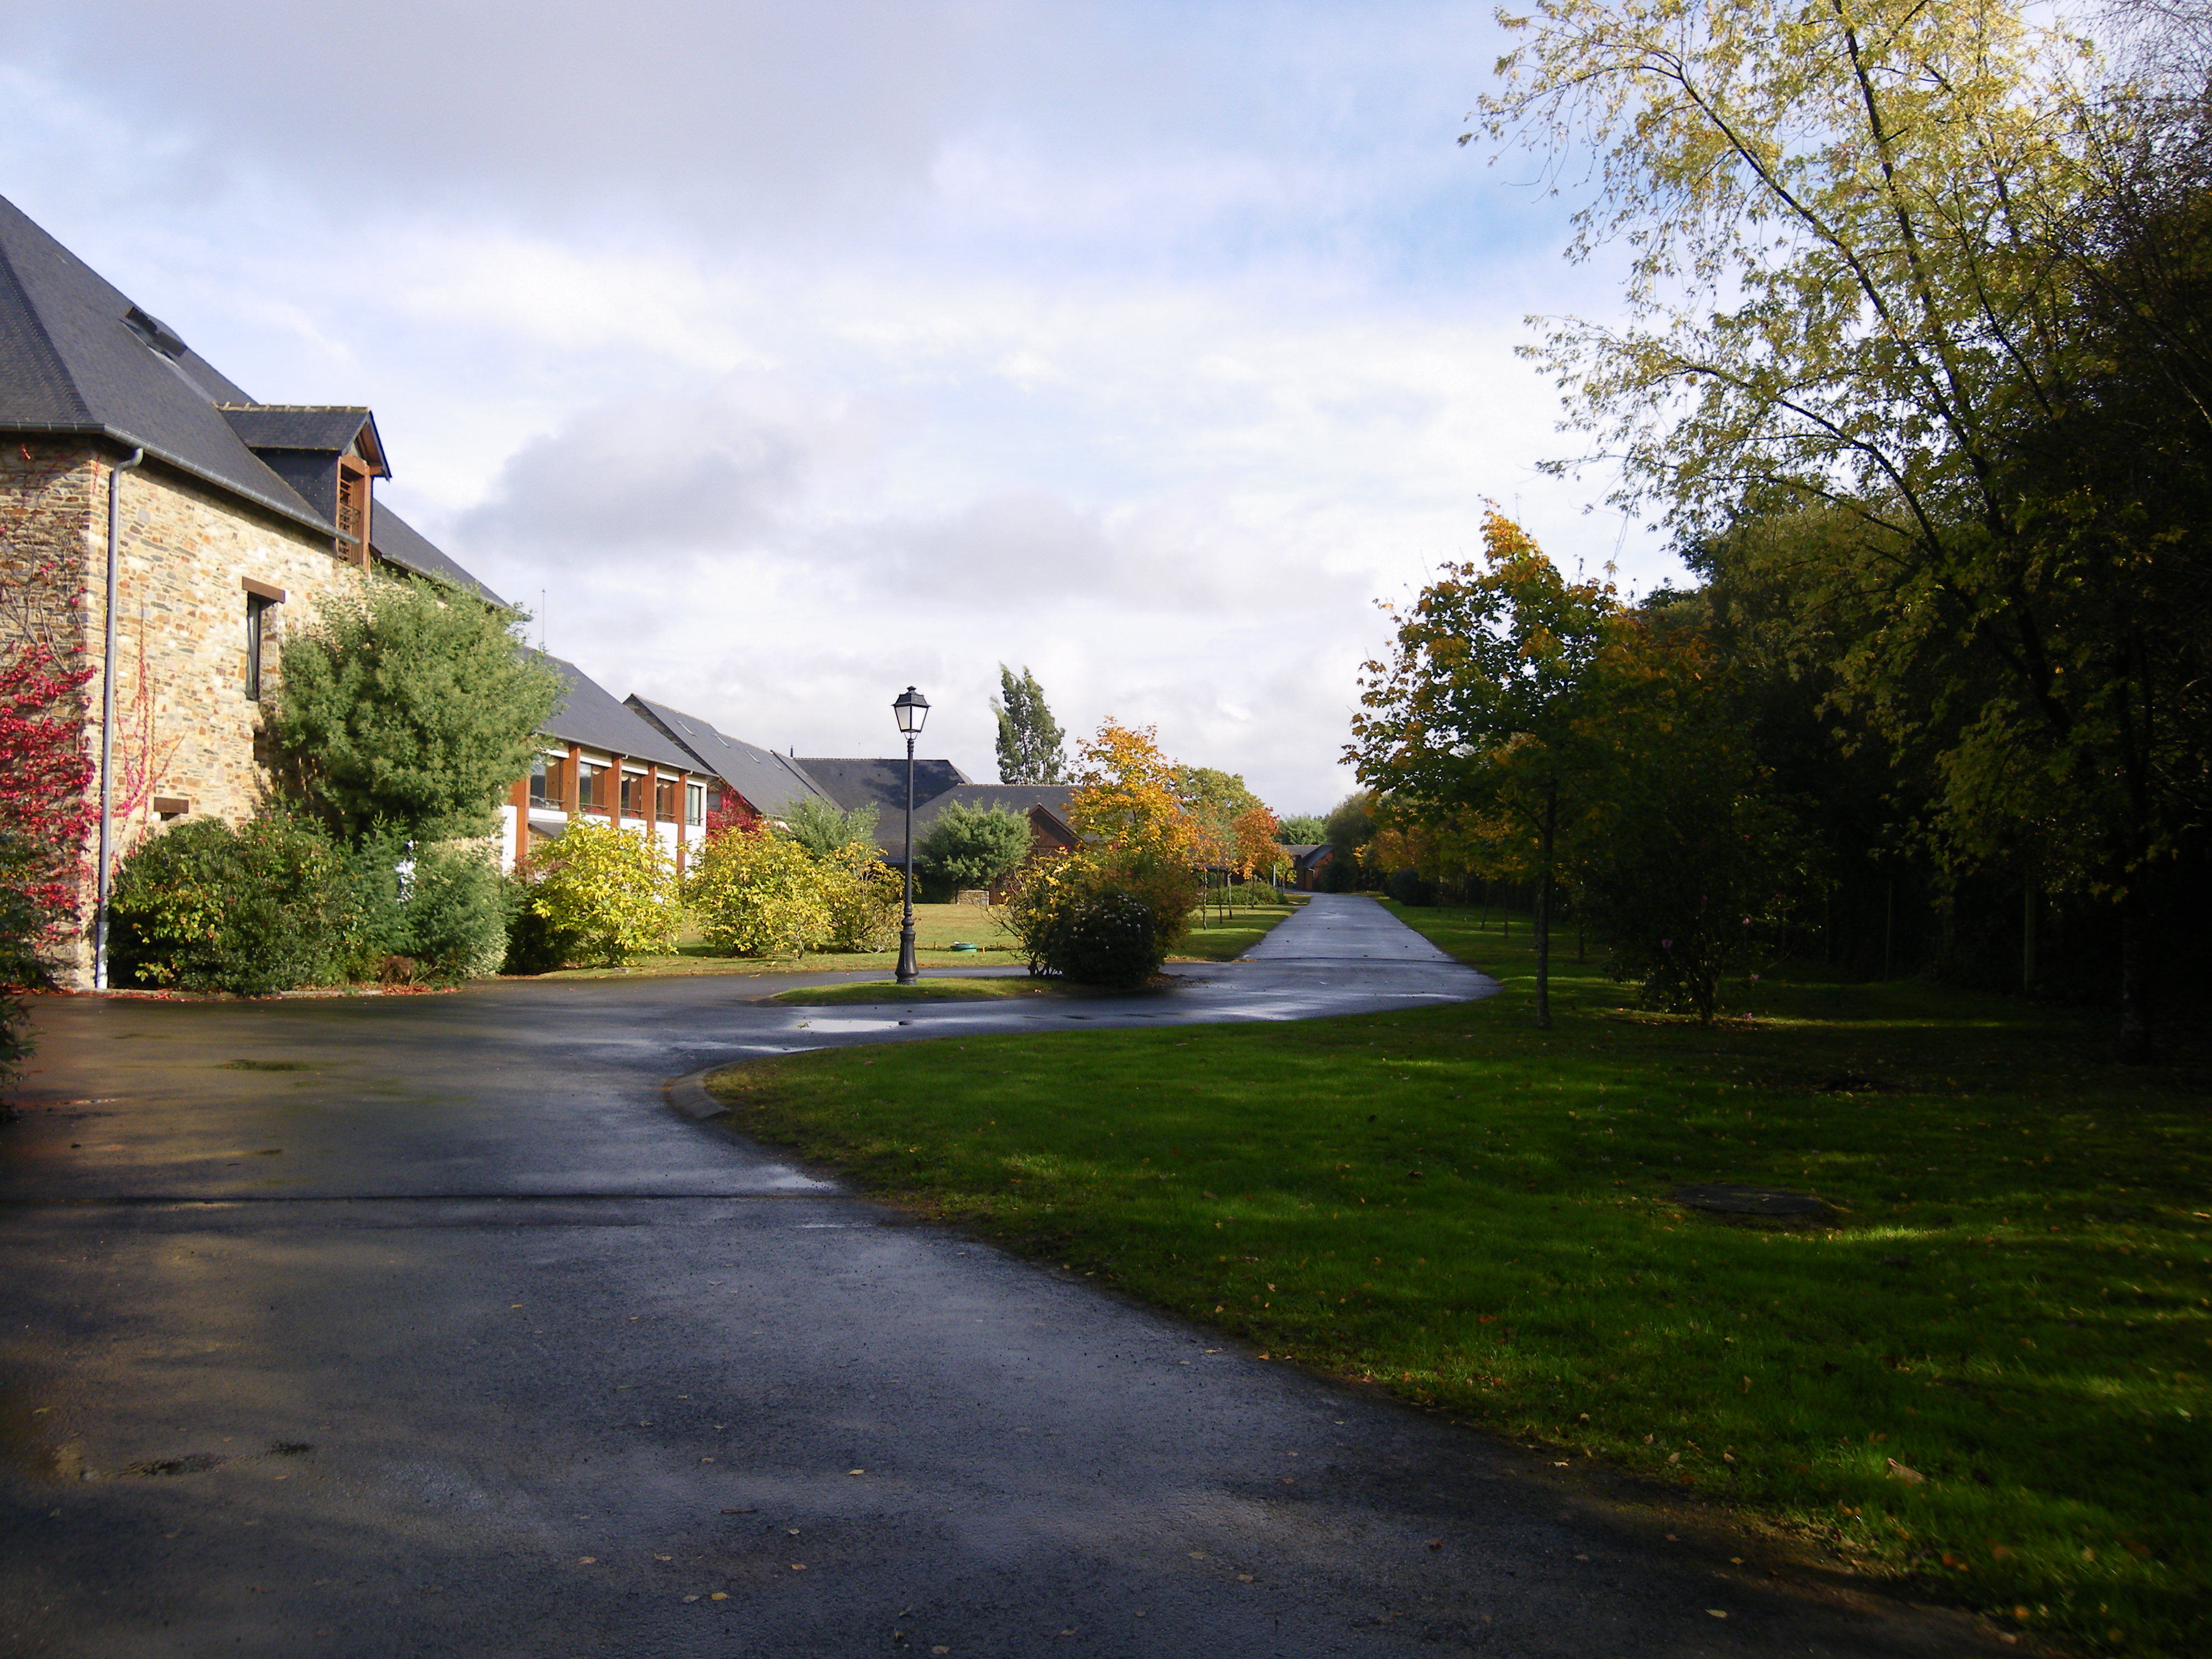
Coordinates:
912 709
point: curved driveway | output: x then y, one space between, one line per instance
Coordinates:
421 1327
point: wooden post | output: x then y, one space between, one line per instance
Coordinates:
521 794
572 787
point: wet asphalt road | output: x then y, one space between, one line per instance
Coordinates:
436 1331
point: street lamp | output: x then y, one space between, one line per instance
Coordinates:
912 709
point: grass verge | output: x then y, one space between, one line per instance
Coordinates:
979 989
1987 1378
1212 939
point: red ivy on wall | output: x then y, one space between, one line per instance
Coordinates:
43 773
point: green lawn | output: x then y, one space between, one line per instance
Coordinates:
937 928
1986 1378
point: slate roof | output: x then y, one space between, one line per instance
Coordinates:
771 783
78 357
882 783
327 429
590 714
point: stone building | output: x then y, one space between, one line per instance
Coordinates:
230 518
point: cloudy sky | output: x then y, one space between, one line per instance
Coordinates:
796 352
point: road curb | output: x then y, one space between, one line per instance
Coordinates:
688 1094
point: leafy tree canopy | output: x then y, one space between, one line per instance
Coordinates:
1351 824
821 828
1302 830
410 706
1032 749
973 846
1929 273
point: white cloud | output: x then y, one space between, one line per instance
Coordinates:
798 353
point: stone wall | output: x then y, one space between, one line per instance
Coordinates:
186 729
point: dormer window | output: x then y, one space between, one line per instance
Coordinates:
353 511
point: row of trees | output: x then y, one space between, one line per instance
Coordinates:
1916 361
1537 730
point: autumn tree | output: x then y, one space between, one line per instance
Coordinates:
1854 277
1496 701
1030 747
1136 840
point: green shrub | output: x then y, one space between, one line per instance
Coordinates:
455 914
273 906
1079 918
1410 886
823 828
536 944
865 895
972 846
1107 938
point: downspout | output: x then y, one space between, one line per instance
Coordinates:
107 725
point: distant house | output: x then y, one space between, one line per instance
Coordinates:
754 783
603 762
230 514
1306 862
937 784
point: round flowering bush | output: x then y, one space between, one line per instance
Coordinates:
1107 938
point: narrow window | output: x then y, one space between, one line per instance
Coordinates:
545 781
352 513
663 800
695 803
257 607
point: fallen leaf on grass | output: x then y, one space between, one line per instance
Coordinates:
1715 1613
1910 1477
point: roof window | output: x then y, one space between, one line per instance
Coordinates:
156 333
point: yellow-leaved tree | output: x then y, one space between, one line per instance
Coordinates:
1108 911
756 893
612 892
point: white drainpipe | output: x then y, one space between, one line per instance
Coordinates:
107 726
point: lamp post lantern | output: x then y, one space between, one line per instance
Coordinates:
912 709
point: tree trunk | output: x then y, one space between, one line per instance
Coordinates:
2135 973
1544 914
